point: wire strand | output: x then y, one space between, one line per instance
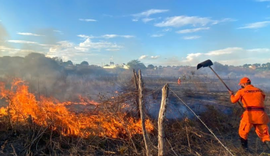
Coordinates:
203 123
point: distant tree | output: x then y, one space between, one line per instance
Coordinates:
37 64
257 65
33 56
58 60
85 63
150 66
68 63
267 66
136 64
246 65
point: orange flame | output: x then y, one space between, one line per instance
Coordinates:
51 113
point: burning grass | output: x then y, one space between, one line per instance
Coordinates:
24 108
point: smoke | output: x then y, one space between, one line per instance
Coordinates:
3 33
3 36
40 43
49 36
66 82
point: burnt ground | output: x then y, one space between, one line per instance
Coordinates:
204 98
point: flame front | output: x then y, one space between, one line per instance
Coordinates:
48 112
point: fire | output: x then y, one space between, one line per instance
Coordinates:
23 107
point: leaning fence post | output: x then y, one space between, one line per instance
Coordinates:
161 116
136 81
142 107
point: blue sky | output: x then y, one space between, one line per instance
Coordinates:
158 32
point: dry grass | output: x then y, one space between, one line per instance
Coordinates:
183 136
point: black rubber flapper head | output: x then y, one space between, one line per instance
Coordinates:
206 63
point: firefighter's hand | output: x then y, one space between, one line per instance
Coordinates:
230 92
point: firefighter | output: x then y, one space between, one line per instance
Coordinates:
254 114
179 81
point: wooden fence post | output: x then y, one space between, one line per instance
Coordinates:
136 81
161 116
142 108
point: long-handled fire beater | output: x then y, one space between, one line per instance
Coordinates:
209 63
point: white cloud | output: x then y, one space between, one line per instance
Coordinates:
191 37
263 0
256 25
88 45
216 55
149 12
28 34
157 35
84 36
88 20
145 15
167 29
259 50
179 21
61 46
70 51
106 36
112 49
67 51
22 42
190 57
192 30
225 20
143 57
223 51
63 49
127 36
110 36
230 56
8 51
154 57
58 31
28 42
145 20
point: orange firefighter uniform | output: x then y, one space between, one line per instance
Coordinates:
254 114
179 81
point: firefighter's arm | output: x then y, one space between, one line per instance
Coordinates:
236 97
